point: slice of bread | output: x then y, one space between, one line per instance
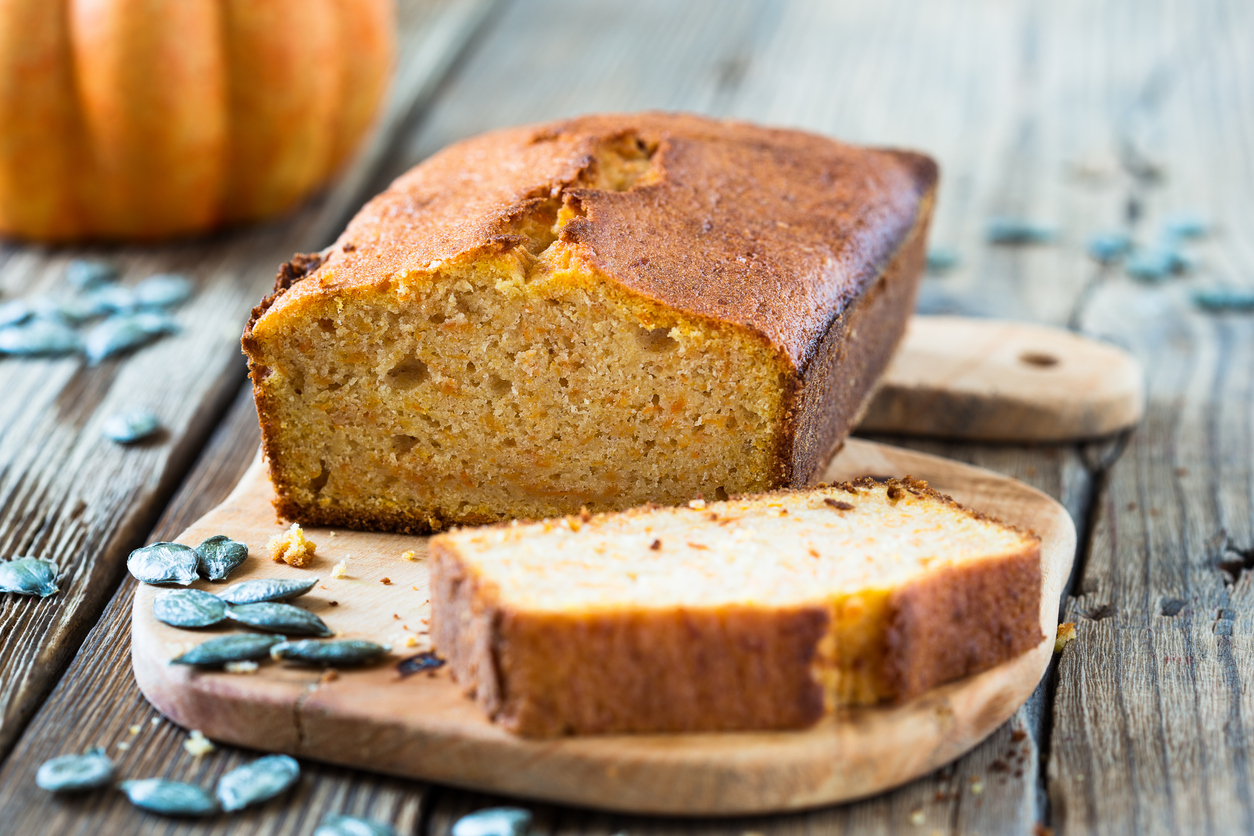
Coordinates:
600 312
761 612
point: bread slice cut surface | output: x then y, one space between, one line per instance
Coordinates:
754 613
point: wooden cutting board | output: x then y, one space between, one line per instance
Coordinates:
994 380
422 726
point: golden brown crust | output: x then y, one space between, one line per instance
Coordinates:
814 246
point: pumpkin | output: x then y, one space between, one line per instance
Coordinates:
144 119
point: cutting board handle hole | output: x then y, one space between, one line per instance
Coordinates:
1039 359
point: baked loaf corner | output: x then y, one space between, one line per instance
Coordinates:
598 312
760 612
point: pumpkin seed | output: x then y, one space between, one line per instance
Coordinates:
129 427
14 311
169 798
1224 298
1185 225
84 274
942 259
340 825
276 618
1109 247
29 576
110 298
1153 264
1017 231
266 589
425 661
125 332
38 337
258 781
238 648
219 555
74 773
188 608
343 652
494 821
163 563
164 290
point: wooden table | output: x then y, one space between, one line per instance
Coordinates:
1088 115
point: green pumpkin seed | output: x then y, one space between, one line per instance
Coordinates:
38 337
941 260
169 798
110 299
1151 265
130 427
1185 225
238 648
425 661
13 312
335 824
75 773
262 590
219 555
279 618
123 333
84 274
29 576
188 608
164 290
1224 298
163 563
1109 247
494 821
343 652
258 781
1017 231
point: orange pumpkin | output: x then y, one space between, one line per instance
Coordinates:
141 119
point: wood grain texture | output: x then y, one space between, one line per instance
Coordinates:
995 380
424 727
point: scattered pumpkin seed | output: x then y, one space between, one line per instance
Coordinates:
111 298
1224 298
258 781
1017 231
494 821
1152 264
1185 225
262 590
279 618
130 427
39 337
942 259
220 651
75 773
164 290
125 332
188 608
336 824
334 653
425 661
1109 247
169 798
163 563
29 576
13 312
84 274
219 555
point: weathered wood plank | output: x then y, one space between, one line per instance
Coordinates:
68 494
98 704
1154 713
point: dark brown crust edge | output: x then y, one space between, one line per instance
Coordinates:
725 669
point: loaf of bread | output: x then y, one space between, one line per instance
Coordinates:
593 313
761 612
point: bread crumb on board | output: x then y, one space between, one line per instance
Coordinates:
245 667
340 570
1066 635
410 556
292 547
197 744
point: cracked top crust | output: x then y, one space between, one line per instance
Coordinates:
773 230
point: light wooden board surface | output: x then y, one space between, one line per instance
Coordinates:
423 726
994 380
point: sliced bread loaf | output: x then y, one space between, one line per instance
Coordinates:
761 612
